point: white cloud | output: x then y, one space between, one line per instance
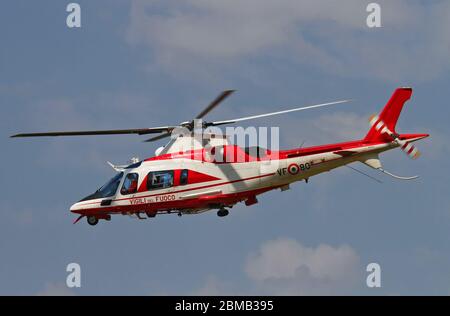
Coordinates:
202 36
211 287
55 289
227 29
342 125
327 128
286 267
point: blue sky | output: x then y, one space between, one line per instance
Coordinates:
151 63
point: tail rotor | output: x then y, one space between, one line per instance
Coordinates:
408 148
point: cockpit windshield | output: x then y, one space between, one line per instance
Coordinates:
110 188
107 190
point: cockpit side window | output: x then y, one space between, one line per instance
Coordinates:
160 180
130 184
184 177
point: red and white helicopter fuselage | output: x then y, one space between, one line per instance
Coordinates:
214 185
198 172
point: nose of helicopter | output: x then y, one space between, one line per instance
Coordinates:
75 207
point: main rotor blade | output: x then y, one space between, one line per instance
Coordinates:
164 135
215 103
138 131
275 113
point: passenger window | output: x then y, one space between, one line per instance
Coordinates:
160 180
184 177
130 184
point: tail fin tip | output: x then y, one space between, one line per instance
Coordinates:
390 113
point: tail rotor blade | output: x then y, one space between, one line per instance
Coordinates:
409 149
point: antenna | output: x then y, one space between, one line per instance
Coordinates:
365 174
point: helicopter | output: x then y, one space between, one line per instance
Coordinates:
198 171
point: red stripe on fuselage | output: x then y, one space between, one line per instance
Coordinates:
185 190
194 203
241 157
